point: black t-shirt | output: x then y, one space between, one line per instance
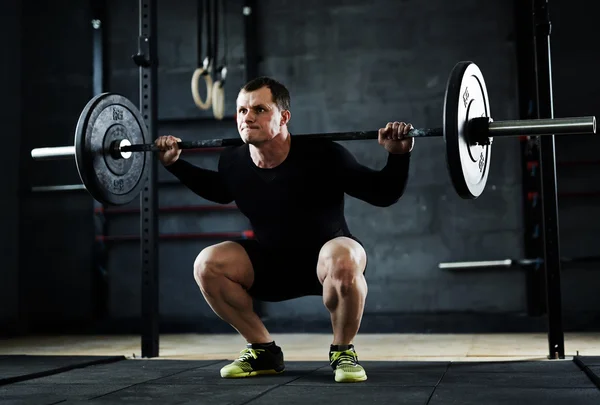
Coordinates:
301 201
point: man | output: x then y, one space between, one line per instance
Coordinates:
292 191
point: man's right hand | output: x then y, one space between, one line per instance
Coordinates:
169 151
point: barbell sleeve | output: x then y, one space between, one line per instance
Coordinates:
550 126
59 152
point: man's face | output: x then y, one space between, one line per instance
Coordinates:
258 117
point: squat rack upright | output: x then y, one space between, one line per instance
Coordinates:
547 161
147 61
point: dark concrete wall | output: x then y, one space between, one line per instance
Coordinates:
10 111
356 66
349 66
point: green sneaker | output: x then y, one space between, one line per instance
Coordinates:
254 361
345 366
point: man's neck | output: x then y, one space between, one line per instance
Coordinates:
268 155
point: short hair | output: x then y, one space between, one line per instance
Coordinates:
281 95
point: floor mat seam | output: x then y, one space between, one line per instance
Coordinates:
60 370
438 383
261 394
586 370
301 376
143 382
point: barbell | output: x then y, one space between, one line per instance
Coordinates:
111 131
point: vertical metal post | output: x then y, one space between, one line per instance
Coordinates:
99 50
251 65
530 160
251 38
543 65
100 279
146 59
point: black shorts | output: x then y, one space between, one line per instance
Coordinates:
283 274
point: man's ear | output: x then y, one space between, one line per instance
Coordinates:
286 115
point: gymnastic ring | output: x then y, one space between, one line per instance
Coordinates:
218 99
203 105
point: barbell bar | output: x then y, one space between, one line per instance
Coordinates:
110 131
534 127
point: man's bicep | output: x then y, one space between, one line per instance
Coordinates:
377 187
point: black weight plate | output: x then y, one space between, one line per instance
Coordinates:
106 118
466 98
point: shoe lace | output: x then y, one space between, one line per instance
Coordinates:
247 354
347 357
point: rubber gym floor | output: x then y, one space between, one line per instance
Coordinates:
449 370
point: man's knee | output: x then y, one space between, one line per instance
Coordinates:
207 265
226 259
342 268
342 261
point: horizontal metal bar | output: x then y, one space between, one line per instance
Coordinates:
512 262
72 187
66 187
572 194
59 152
191 208
179 236
477 264
568 163
204 150
581 259
332 136
192 120
550 126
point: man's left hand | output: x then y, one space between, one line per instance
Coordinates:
393 137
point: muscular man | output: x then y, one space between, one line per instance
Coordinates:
292 192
